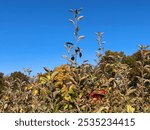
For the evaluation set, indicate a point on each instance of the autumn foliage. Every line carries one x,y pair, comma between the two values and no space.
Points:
117,83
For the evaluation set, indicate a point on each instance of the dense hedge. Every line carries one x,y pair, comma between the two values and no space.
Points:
118,83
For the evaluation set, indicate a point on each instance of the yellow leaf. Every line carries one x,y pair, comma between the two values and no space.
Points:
80,95
66,106
48,77
35,92
71,89
21,110
72,86
42,80
6,97
5,106
130,109
64,89
28,87
67,98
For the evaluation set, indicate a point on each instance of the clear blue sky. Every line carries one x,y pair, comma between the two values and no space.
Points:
33,32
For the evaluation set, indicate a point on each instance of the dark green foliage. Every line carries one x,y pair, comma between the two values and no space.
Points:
19,75
19,79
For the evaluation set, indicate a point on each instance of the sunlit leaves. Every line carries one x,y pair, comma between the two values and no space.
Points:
80,37
43,79
130,109
35,92
117,83
80,17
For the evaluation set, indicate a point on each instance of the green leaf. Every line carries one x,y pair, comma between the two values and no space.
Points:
66,106
71,91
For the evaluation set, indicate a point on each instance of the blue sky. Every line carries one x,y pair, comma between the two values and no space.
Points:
33,32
